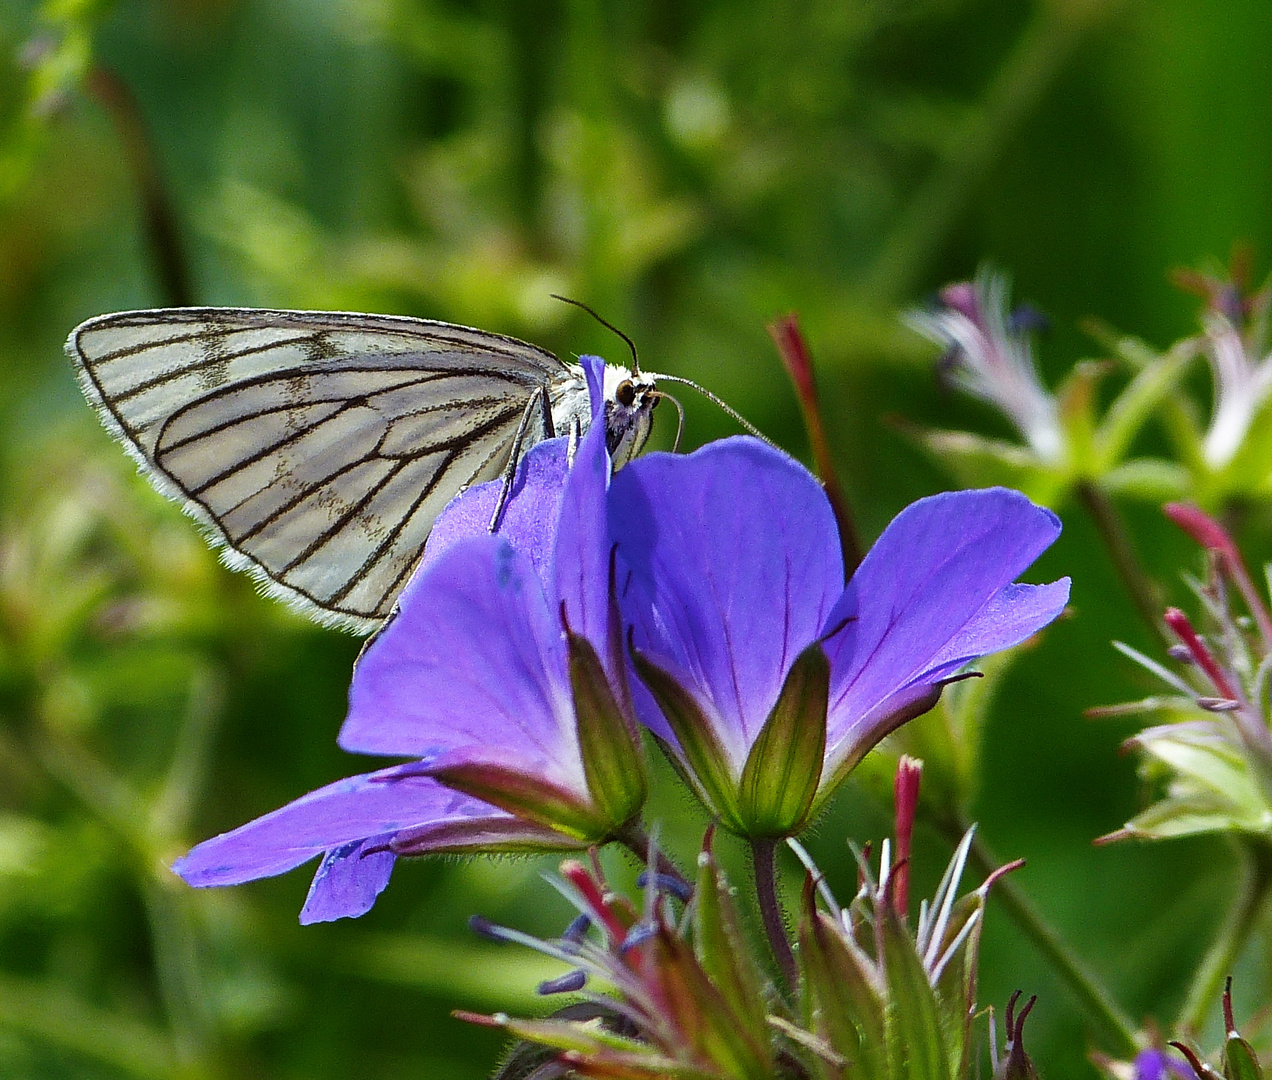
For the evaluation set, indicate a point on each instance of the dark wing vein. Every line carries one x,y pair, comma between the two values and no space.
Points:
148,372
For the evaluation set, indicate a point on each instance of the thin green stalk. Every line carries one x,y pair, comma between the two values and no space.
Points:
1083,984
162,233
764,863
1028,72
53,1016
1142,590
1217,964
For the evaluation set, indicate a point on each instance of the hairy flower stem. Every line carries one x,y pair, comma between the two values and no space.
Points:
1143,591
1083,984
636,840
1217,964
764,859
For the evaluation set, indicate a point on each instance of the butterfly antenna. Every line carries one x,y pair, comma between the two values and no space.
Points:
680,416
605,323
750,427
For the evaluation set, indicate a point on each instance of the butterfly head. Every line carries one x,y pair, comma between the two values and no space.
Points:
630,399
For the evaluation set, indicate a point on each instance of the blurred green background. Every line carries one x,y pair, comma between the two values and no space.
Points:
692,168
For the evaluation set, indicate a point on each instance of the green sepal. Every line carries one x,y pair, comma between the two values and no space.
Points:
596,1051
1239,1060
612,760
530,798
1137,401
847,1006
978,461
1152,480
784,766
955,990
700,1012
1075,402
720,945
916,1044
708,764
1212,785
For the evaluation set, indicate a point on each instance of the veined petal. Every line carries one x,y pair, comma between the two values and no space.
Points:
475,658
529,518
348,811
934,592
736,565
348,880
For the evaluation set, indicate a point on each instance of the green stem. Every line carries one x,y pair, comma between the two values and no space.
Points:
1025,76
1083,984
1217,964
764,861
1143,591
159,217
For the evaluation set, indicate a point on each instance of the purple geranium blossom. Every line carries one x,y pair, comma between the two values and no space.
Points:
733,573
477,678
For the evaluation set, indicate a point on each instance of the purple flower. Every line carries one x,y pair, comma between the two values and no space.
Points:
496,676
762,674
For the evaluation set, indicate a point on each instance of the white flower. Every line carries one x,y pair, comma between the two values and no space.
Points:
989,354
1242,383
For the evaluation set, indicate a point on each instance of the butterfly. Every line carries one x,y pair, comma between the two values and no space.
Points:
318,448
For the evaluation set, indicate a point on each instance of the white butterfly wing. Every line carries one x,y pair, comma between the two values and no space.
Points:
318,447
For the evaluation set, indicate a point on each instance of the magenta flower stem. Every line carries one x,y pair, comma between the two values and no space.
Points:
764,859
793,348
1141,588
1242,918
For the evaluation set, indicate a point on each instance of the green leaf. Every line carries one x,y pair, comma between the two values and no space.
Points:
702,1015
784,766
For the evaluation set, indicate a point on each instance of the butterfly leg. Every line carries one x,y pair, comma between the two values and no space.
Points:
514,457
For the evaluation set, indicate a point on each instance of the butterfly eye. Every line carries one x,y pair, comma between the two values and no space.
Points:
625,393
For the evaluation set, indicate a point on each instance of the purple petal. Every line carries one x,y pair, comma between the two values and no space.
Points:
529,518
594,371
934,592
348,880
735,566
582,555
475,659
348,811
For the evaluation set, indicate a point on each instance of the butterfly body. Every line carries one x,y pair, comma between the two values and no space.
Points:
319,447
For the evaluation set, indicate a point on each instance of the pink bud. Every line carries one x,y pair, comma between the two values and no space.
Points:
906,794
